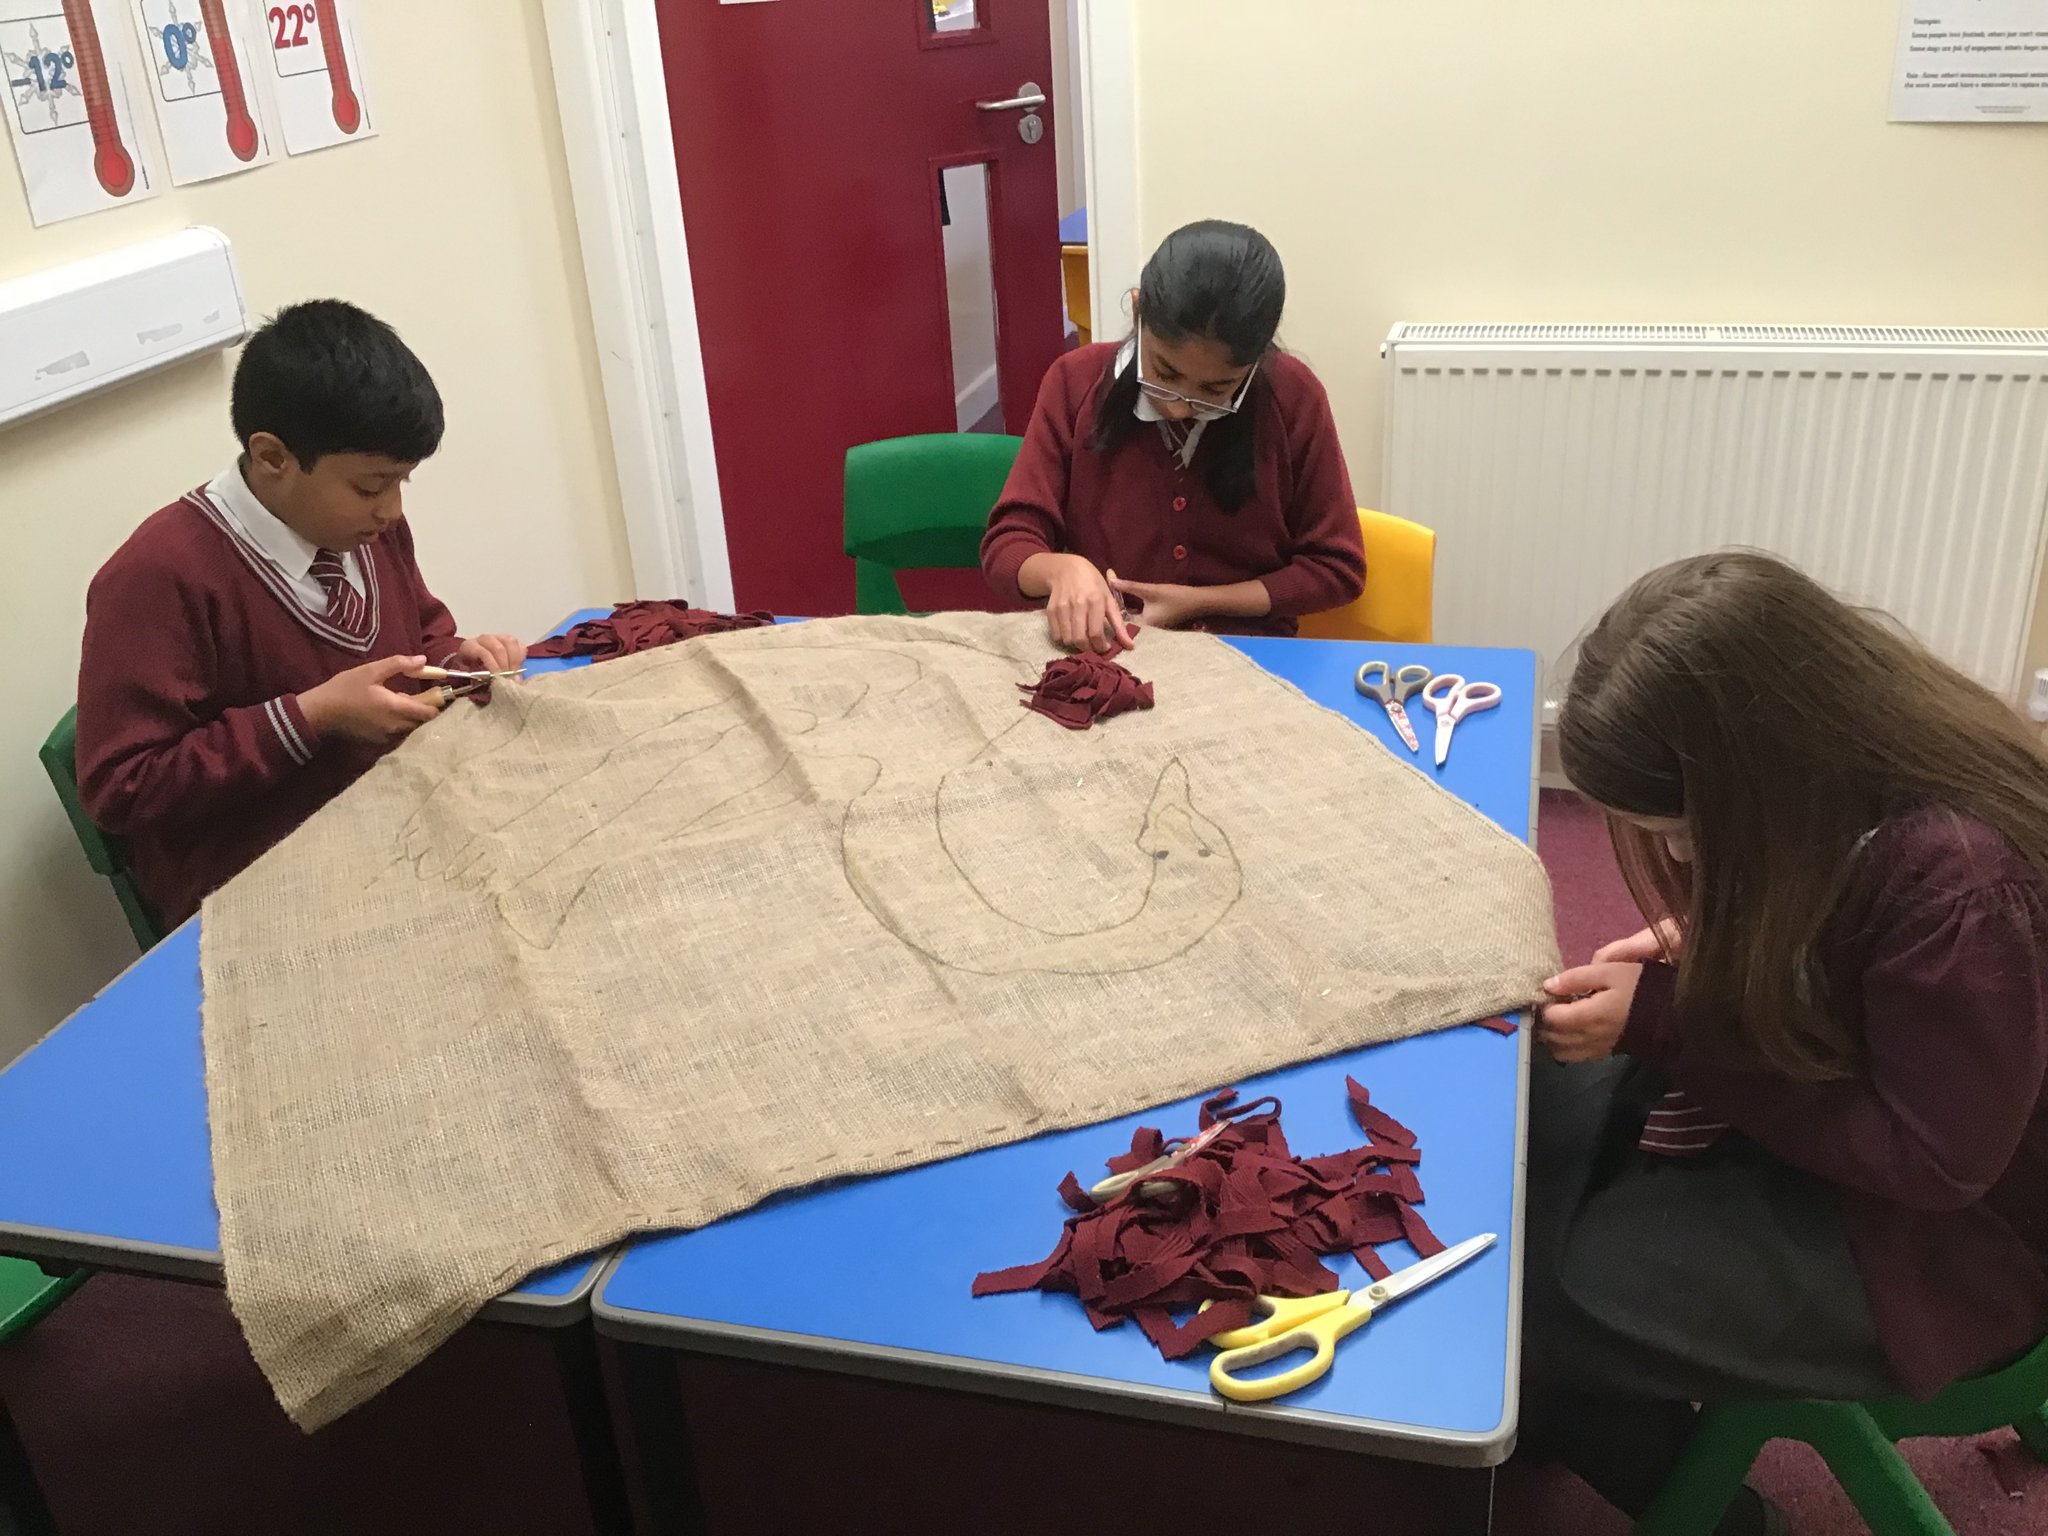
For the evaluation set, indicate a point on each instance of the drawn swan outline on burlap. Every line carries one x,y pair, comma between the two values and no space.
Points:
619,788
1192,880
1187,880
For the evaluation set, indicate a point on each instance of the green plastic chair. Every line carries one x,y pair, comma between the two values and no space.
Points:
26,1293
920,503
1859,1443
105,854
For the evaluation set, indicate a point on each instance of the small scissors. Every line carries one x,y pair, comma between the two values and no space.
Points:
1392,690
1316,1323
1177,1152
456,685
1453,699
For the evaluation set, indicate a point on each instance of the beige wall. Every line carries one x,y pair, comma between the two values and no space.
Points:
1586,160
456,226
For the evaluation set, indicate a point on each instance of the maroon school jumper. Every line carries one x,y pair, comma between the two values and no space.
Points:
1936,960
1137,512
191,742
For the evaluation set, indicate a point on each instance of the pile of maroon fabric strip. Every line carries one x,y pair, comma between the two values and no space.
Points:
1077,691
641,627
1242,1218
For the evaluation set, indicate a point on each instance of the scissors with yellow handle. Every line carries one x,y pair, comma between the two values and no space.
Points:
1316,1323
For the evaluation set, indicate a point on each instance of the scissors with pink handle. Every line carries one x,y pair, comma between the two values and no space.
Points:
1453,699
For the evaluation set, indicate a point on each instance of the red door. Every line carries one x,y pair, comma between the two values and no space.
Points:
809,139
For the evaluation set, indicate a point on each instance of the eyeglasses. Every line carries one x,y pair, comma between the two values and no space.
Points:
1200,410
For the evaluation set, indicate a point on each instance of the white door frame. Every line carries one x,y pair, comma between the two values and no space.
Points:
613,99
1109,116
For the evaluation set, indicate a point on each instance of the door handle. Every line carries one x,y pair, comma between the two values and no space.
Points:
1029,98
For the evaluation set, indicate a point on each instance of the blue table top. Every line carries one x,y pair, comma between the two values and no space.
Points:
873,1276
1074,228
104,1154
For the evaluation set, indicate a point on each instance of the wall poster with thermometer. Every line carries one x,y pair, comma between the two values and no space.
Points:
316,68
70,112
196,62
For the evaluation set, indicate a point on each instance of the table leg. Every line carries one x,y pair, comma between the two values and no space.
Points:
21,1497
661,1442
590,1421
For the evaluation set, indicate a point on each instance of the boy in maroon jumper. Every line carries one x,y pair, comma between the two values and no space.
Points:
247,649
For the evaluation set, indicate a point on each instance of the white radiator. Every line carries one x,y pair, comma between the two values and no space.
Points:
1905,468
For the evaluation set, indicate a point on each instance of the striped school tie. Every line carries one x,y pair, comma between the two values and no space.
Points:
1677,1127
344,603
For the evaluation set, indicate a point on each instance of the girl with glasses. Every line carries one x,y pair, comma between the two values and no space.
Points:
1189,477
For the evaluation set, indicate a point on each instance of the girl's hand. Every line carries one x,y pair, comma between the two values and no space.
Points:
1587,1021
1081,610
1166,606
1653,943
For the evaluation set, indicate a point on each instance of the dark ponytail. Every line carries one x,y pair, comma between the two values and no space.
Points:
1224,282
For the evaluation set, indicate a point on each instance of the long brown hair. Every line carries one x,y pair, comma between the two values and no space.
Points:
1735,694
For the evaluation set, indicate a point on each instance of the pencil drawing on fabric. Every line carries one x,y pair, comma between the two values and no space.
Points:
701,767
638,946
1187,880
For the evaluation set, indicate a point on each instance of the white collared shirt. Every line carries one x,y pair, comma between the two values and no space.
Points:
1145,410
283,546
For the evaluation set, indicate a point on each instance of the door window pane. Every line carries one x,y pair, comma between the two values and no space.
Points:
970,297
957,15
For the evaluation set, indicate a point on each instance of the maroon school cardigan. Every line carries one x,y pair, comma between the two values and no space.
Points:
191,742
1936,959
1136,511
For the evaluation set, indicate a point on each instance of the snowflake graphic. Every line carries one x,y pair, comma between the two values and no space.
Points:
179,49
30,78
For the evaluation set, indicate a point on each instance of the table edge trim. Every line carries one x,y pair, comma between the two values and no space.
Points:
1063,1389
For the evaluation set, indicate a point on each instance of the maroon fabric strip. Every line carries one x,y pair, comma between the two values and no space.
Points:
1376,1124
1075,1196
1425,1242
1175,1342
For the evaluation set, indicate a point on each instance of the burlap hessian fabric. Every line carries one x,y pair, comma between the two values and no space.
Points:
636,946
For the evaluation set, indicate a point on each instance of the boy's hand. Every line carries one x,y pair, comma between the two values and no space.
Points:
491,653
358,705
1167,605
1587,1021
1653,943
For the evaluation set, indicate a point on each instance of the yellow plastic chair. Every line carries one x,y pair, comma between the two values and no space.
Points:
1400,577
1074,275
